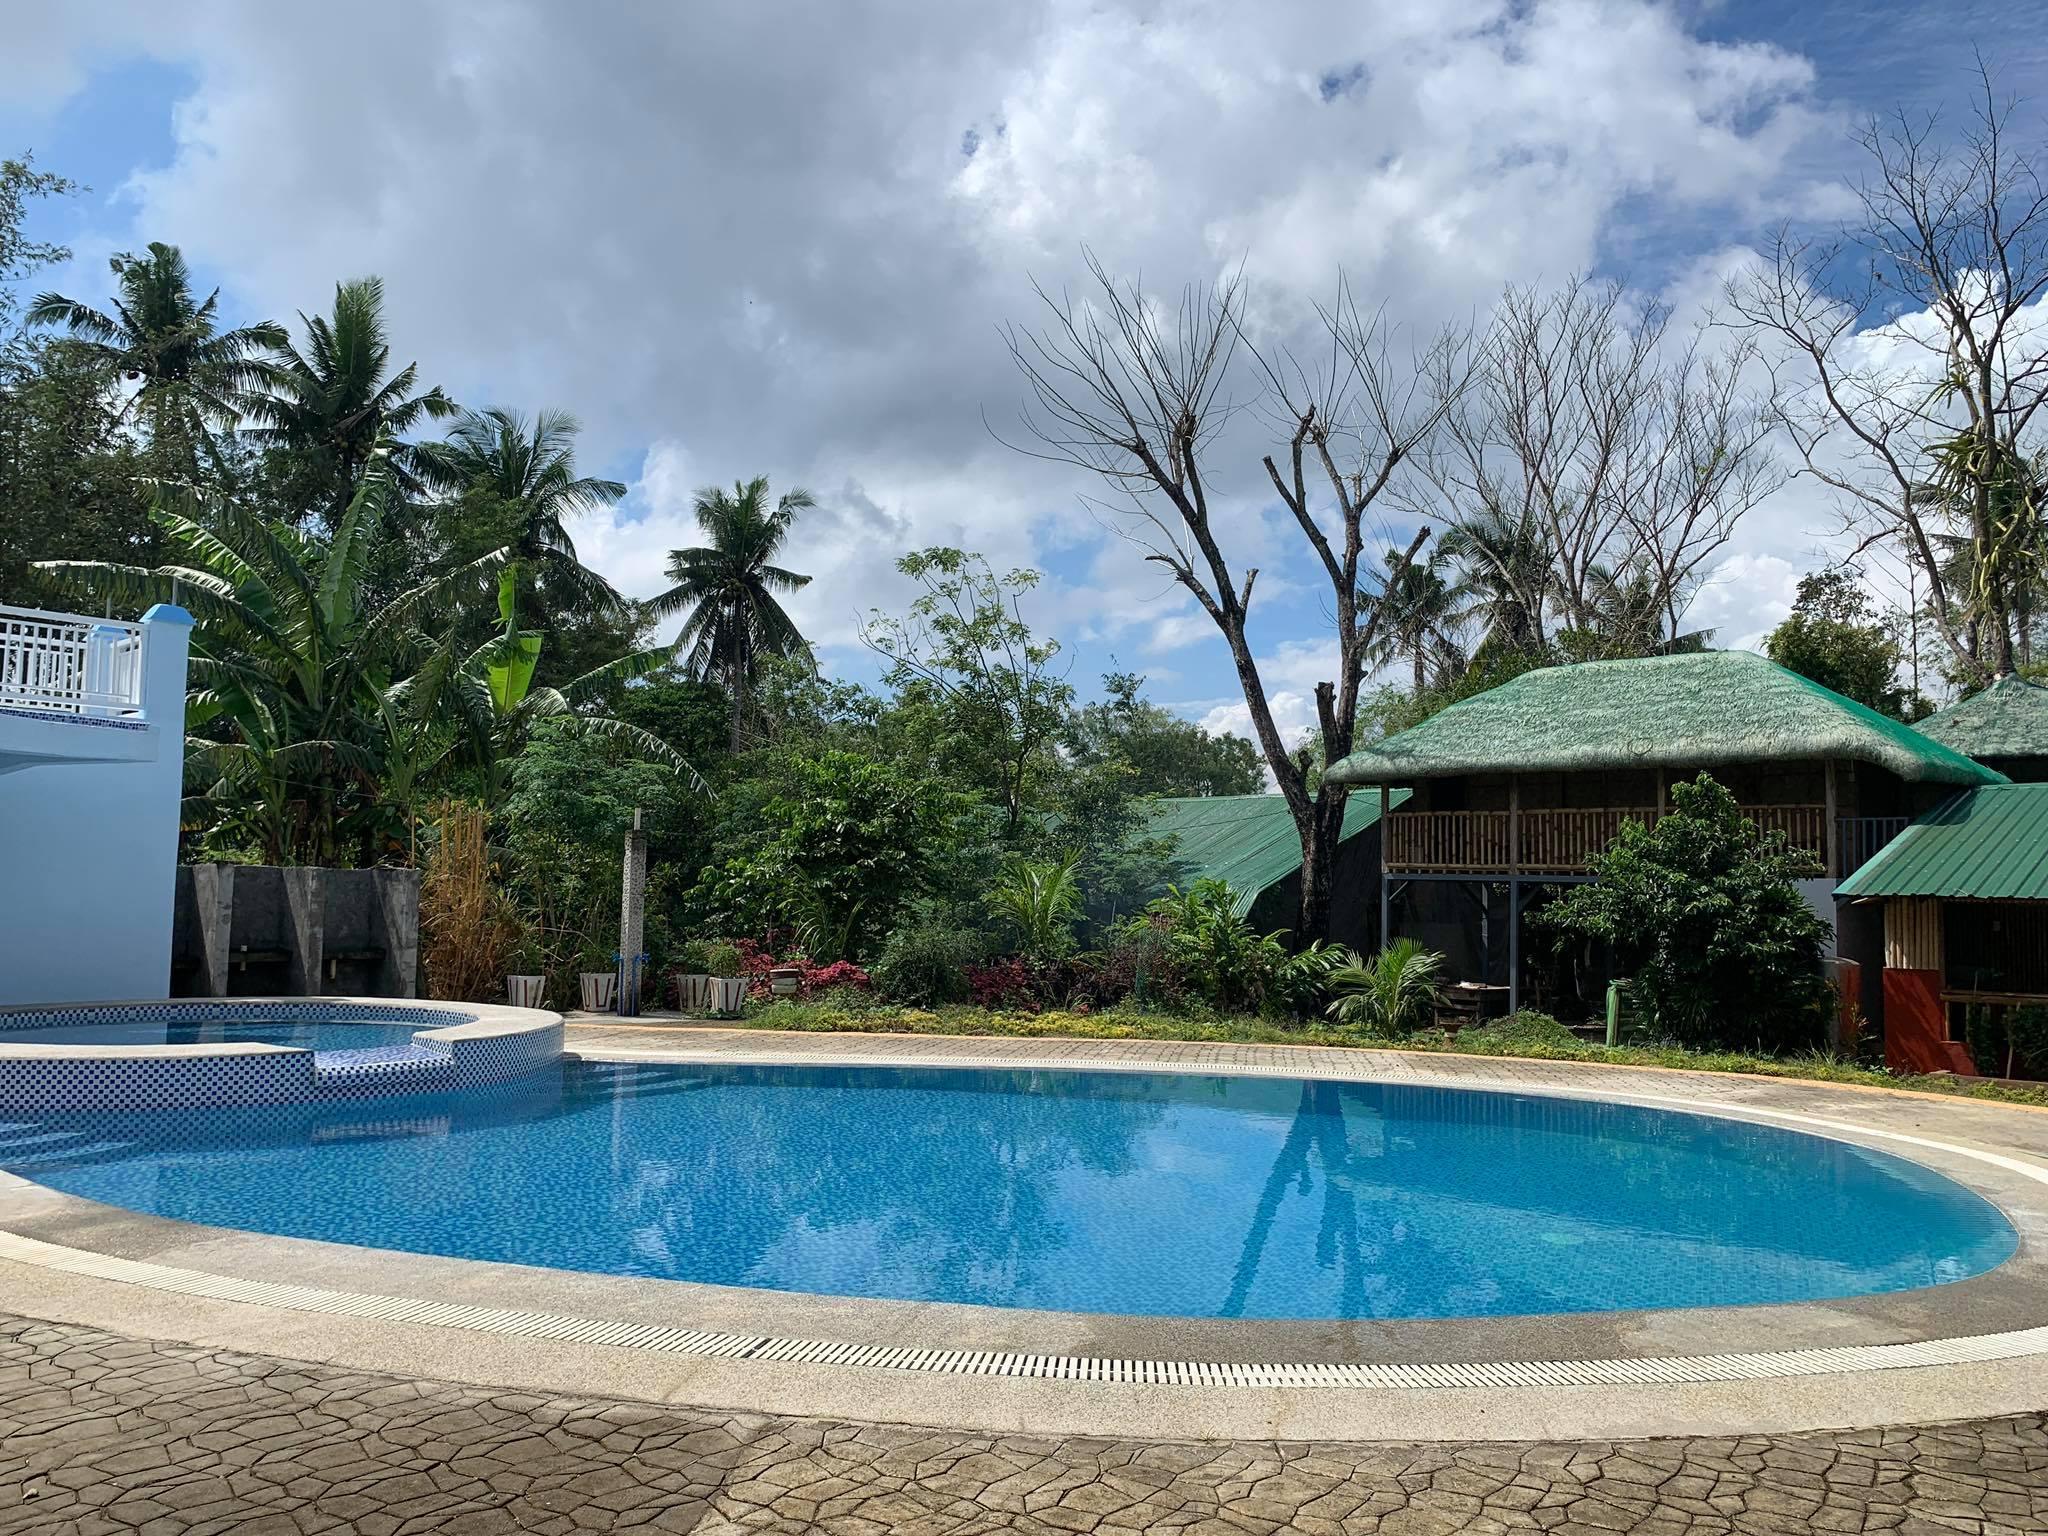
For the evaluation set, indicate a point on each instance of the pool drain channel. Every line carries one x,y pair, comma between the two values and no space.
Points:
708,1344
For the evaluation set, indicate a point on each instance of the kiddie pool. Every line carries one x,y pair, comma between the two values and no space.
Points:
207,1054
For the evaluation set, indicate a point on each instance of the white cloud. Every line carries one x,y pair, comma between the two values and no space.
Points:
742,238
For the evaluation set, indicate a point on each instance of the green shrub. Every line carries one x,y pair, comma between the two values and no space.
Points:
1704,917
925,960
1392,994
693,957
722,959
1527,1033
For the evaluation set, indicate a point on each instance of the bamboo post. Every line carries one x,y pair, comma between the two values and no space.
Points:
1831,833
1386,807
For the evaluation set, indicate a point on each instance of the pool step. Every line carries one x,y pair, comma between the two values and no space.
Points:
381,1070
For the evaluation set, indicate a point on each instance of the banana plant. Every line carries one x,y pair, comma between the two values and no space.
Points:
289,722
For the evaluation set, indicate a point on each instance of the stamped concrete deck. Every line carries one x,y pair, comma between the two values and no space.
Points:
100,1434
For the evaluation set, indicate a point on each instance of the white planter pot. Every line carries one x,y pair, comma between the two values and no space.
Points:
600,990
693,992
525,991
728,995
785,979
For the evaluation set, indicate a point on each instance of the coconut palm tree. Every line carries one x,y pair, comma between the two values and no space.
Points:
528,470
730,588
1421,617
337,399
1505,576
191,374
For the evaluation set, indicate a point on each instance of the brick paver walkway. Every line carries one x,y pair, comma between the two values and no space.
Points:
104,1434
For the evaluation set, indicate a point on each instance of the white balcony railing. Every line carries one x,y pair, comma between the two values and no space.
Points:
69,663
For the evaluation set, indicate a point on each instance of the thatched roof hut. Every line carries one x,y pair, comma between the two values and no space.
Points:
2004,726
1680,712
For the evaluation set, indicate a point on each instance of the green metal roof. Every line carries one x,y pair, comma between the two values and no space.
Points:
1687,712
2007,719
1247,841
1990,843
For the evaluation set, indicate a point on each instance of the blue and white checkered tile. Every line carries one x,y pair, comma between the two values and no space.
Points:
200,1079
498,1058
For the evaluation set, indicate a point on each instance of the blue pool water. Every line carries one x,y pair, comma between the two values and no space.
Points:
309,1034
1096,1192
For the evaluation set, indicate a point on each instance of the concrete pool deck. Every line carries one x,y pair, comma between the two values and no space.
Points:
1706,1371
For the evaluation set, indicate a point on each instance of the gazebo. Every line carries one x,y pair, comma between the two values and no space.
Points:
2003,726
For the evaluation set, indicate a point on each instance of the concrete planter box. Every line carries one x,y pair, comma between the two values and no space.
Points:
600,990
693,992
525,991
728,995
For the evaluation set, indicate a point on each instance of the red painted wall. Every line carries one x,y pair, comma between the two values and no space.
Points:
1916,1026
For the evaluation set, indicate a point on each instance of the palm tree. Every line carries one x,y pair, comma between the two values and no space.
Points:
291,709
192,375
337,399
1505,576
730,588
529,470
1421,618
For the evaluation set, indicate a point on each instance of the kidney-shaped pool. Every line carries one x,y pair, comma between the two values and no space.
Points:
1078,1191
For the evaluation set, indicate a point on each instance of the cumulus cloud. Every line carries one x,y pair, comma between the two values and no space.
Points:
744,237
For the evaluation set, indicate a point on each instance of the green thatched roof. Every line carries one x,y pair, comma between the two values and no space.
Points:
2007,719
1248,841
1683,712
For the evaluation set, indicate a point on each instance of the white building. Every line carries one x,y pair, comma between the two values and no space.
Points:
92,756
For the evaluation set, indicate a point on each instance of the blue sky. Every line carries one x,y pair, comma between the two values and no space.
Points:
750,238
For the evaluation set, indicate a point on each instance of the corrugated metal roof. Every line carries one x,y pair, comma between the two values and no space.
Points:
1248,841
2007,719
1686,712
1990,843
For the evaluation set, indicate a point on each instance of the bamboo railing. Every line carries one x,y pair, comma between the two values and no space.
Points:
1552,842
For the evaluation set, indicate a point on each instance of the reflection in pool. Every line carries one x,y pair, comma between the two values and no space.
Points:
1095,1192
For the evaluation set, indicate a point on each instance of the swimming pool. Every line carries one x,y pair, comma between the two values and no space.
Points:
305,1034
1164,1195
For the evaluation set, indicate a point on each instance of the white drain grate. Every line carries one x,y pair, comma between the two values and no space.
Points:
705,1344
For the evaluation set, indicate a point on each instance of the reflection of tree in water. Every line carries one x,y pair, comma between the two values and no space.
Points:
1545,1204
948,1178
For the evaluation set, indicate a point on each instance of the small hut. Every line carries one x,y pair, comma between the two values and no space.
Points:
2004,726
1964,893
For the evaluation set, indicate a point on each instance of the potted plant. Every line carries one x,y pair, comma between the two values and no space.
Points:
693,977
728,986
527,982
787,979
600,988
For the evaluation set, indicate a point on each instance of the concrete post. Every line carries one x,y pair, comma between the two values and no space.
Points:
151,861
213,899
633,920
305,899
398,903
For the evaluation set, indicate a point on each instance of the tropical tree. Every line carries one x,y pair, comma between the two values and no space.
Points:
519,480
190,374
730,588
1421,620
334,402
293,713
495,699
1505,576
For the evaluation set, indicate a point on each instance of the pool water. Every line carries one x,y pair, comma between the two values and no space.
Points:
1094,1192
308,1034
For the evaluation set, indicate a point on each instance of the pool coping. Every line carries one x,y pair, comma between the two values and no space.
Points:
1865,1360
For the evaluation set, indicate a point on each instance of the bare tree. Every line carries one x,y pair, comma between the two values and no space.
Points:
1627,454
1138,395
1925,428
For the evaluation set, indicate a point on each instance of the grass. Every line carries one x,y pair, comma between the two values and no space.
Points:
1525,1035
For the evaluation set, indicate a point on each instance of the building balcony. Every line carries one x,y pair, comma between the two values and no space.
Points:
76,689
1552,842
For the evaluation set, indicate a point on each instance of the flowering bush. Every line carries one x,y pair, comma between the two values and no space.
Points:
757,960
